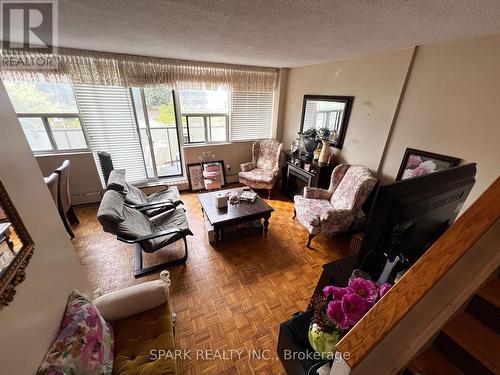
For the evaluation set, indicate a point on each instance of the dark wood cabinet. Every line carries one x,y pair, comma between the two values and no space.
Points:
298,171
293,334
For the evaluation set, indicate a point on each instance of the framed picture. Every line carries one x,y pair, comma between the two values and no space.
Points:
220,163
419,163
195,176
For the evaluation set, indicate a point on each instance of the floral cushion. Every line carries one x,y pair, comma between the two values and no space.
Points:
309,211
84,344
266,153
353,189
257,174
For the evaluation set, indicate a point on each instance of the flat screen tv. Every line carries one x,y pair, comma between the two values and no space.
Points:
408,216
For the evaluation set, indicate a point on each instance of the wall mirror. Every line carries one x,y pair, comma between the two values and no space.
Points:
332,112
16,248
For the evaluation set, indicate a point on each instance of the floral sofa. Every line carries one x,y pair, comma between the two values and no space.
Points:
334,210
121,333
262,171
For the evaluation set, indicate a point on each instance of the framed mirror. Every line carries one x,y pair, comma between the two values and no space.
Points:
324,111
16,248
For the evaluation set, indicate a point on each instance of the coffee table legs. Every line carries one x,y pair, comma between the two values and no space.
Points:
266,223
216,235
219,233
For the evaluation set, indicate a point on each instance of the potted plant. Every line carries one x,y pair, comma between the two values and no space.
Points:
339,309
310,141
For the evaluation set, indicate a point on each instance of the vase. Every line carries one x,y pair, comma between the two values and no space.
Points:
310,145
317,152
325,152
323,342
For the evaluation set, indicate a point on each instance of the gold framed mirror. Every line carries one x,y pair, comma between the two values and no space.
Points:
16,248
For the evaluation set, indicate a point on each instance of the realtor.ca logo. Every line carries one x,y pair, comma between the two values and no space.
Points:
28,26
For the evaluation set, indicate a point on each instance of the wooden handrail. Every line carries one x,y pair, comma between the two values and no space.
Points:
421,277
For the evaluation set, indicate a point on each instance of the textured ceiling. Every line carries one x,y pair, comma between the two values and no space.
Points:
266,32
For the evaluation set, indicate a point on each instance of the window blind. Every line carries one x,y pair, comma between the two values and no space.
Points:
251,115
109,121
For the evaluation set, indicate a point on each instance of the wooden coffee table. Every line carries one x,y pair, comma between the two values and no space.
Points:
234,213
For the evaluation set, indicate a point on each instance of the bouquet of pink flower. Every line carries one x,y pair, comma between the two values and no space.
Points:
339,309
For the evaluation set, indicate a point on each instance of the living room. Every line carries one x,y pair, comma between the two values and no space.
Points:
417,81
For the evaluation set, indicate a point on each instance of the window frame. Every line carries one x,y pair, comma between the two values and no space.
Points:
48,129
207,128
148,127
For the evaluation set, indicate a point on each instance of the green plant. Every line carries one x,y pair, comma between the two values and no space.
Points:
324,134
310,133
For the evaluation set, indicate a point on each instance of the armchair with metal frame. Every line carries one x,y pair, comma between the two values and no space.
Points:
151,205
149,234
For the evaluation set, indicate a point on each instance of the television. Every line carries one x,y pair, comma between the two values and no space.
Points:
408,216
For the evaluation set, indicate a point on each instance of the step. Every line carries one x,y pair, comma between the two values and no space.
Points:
486,312
431,362
469,344
491,292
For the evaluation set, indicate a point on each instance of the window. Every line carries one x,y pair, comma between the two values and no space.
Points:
204,115
157,125
251,115
109,121
48,115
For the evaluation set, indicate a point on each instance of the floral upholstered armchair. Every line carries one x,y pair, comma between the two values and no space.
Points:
262,171
334,210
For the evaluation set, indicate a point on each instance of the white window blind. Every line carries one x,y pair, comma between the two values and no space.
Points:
251,115
109,121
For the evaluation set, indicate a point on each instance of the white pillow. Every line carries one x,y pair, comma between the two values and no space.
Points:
132,300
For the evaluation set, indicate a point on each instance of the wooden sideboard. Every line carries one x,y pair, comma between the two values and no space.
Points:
298,171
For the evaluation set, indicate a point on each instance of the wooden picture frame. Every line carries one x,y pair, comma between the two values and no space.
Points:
15,272
343,121
195,176
223,169
417,163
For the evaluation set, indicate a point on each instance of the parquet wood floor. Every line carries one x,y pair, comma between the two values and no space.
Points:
232,297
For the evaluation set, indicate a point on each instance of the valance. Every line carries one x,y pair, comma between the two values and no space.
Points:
111,69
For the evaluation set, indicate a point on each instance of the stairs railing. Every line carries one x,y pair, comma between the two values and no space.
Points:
422,277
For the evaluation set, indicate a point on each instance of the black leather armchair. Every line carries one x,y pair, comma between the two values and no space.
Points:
149,234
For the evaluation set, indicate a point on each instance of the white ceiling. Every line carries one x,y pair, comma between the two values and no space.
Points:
270,33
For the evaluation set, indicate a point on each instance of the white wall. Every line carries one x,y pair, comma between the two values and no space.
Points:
451,106
84,181
29,325
233,154
375,82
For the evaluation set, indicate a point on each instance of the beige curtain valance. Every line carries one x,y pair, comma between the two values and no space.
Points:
111,69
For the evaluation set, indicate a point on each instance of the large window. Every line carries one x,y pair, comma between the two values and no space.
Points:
157,126
204,115
48,115
142,128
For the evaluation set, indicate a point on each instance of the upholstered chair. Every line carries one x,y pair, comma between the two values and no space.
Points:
262,171
131,329
334,210
64,206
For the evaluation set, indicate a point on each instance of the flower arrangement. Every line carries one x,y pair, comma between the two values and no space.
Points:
416,167
324,134
310,133
339,309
